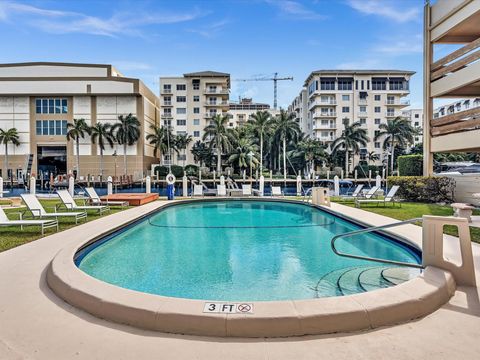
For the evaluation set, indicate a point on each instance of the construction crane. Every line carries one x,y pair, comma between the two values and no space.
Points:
275,78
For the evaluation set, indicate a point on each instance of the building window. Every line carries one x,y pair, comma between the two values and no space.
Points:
368,84
377,145
51,106
345,84
167,122
196,84
416,116
196,110
196,121
181,87
196,98
181,111
377,121
390,112
167,88
196,134
363,109
181,157
378,84
377,109
363,121
390,100
167,100
345,109
416,123
181,99
326,84
51,127
398,84
377,132
181,122
346,97
362,84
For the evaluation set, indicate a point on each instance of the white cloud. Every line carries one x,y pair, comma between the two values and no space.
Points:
295,10
413,45
386,9
211,29
61,22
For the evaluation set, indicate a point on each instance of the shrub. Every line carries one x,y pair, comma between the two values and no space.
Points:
410,165
191,170
162,171
362,170
430,189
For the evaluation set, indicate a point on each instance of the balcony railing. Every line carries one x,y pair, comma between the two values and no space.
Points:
166,91
328,102
362,101
397,102
216,91
167,103
390,114
325,114
166,115
362,113
326,138
216,103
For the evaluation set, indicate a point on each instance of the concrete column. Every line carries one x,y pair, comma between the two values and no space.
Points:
148,185
109,186
214,176
369,175
356,175
32,185
341,174
261,186
378,181
336,186
222,180
328,174
1,187
299,185
244,175
185,185
71,185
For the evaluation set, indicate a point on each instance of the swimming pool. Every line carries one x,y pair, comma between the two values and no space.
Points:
239,250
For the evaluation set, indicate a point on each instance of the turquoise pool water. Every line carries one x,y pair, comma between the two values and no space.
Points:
238,251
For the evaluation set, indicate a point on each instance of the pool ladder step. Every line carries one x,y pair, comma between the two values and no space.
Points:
358,279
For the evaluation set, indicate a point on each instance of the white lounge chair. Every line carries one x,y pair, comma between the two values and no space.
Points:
197,190
277,191
95,199
389,198
221,190
370,193
246,190
44,224
70,204
37,210
356,193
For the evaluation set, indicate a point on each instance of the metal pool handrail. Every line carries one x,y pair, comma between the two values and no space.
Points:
370,229
305,198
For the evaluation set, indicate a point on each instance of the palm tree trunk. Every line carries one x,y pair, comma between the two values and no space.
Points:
261,153
393,153
125,158
78,157
101,164
284,159
6,162
346,162
219,158
184,156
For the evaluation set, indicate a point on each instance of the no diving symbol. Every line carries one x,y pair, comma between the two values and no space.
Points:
244,308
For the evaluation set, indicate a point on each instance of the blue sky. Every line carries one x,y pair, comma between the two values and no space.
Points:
246,38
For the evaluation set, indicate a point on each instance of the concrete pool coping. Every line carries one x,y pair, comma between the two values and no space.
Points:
410,300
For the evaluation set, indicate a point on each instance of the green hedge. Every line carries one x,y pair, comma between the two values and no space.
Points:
410,165
162,171
429,189
191,170
365,168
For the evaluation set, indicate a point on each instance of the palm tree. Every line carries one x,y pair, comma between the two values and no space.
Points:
352,137
127,133
102,133
77,130
161,139
202,153
6,137
313,151
286,128
181,143
218,136
260,121
372,156
244,154
396,132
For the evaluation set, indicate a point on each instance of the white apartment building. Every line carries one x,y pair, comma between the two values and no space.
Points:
189,102
370,97
300,109
242,110
415,116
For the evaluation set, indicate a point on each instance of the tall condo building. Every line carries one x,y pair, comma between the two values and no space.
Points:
189,102
370,97
300,109
40,98
241,111
415,116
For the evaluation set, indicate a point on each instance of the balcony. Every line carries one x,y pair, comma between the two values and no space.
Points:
325,114
396,102
390,114
217,103
362,113
362,101
219,91
167,103
166,115
326,138
328,102
325,126
166,91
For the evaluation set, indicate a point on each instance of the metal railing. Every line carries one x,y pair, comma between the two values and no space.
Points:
372,229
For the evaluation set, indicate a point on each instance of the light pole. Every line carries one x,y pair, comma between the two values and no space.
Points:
250,155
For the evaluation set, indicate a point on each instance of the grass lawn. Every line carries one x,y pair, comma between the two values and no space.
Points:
411,210
12,236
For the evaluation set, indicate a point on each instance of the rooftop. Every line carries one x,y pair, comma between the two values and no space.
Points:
207,73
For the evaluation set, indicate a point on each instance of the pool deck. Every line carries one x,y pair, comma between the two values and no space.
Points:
36,324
